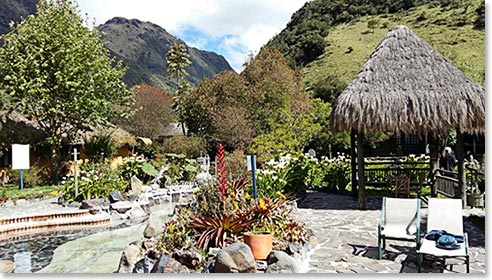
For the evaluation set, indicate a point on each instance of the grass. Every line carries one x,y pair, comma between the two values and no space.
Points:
349,45
13,192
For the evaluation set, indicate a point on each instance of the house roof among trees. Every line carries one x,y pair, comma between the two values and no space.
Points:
118,135
406,86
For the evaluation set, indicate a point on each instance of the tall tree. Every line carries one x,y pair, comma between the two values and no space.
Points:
153,112
57,72
177,61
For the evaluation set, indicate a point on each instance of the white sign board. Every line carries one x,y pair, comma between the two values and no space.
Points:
249,163
20,156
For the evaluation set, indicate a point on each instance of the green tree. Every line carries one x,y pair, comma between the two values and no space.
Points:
57,72
177,61
273,86
218,109
152,112
292,135
340,142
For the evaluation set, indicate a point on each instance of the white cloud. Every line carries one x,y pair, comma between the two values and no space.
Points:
240,26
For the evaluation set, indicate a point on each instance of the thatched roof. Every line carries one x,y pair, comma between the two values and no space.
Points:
118,135
408,87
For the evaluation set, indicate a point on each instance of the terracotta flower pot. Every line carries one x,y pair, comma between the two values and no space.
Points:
260,244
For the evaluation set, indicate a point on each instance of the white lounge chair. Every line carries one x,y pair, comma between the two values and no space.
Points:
447,215
400,220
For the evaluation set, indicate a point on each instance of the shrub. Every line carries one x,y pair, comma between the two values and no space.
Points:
3,195
177,167
337,172
100,147
35,176
96,180
190,146
136,165
220,230
273,178
236,163
176,234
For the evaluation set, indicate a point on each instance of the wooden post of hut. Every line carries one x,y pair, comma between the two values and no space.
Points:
360,170
434,160
460,155
353,163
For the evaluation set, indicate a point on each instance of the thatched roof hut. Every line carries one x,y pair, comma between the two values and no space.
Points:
31,128
406,86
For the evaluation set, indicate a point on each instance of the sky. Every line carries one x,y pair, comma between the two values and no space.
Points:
232,28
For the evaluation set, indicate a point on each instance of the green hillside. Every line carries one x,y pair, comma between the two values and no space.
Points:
452,27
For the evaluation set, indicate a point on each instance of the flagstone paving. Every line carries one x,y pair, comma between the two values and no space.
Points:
347,239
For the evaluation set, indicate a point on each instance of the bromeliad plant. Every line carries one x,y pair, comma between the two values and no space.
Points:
220,217
220,230
224,211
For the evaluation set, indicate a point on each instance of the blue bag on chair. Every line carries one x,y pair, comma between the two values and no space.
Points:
435,234
447,242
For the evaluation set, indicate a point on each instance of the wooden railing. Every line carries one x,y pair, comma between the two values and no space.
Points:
445,183
376,175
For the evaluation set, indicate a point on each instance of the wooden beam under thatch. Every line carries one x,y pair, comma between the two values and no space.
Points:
408,87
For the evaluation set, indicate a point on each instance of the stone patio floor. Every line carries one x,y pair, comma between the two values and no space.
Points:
347,239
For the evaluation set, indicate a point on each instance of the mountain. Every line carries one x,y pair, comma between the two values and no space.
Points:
14,10
143,47
329,41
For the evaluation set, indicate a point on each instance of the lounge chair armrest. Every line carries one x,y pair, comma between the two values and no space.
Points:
381,221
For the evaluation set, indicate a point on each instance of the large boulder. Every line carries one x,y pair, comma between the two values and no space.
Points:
168,265
132,197
236,258
281,262
122,206
128,259
136,212
136,185
295,248
190,259
94,205
151,229
115,196
144,265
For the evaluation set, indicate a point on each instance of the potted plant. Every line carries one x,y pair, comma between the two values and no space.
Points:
260,239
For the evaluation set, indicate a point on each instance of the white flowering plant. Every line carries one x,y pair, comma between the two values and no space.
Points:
289,174
95,180
336,172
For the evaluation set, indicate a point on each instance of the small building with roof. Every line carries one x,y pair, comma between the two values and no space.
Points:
407,87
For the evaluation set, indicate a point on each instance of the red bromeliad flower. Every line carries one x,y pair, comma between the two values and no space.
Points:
222,172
